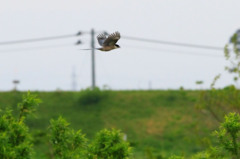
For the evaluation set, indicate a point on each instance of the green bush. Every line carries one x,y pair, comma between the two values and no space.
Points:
66,143
109,145
176,157
205,155
229,140
91,96
229,134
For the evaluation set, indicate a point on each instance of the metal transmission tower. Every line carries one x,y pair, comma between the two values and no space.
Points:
93,58
74,82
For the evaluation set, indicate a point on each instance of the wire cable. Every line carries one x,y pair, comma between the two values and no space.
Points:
39,39
125,37
173,43
173,51
36,48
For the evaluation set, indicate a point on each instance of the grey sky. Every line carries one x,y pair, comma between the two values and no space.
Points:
133,66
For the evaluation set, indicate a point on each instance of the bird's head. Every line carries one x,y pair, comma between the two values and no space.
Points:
117,45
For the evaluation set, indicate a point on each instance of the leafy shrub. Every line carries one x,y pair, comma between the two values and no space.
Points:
91,96
229,141
67,144
212,153
109,145
176,157
28,105
229,134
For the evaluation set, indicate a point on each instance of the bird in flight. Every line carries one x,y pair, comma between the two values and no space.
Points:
108,43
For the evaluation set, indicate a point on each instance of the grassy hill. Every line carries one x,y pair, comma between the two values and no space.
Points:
155,122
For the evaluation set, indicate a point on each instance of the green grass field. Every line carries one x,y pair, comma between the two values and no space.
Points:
155,122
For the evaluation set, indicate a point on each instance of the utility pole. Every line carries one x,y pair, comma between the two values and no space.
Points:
93,57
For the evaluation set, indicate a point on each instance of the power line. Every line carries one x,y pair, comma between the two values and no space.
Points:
174,51
125,37
40,39
36,48
173,43
126,46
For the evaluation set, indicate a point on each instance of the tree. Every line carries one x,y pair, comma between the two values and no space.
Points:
15,140
219,102
66,143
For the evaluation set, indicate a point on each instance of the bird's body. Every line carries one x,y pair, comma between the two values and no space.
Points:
108,43
107,48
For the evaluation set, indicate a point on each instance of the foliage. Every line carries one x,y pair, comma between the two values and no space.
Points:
28,105
149,118
216,78
212,153
220,102
15,141
109,145
229,134
229,141
199,82
176,157
66,143
233,57
91,96
202,155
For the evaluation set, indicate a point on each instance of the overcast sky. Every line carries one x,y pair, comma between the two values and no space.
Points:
49,65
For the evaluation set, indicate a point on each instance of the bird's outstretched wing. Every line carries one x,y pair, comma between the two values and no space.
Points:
112,39
101,38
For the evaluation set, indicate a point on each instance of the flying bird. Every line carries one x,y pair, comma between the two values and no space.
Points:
108,43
